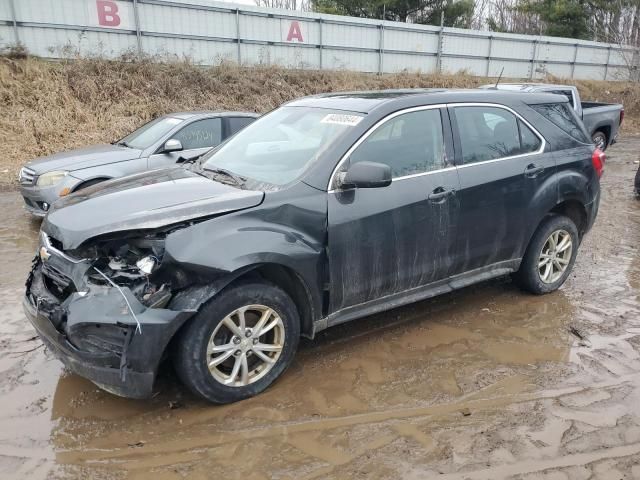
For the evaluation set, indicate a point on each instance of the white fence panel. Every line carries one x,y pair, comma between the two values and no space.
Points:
412,41
186,21
209,32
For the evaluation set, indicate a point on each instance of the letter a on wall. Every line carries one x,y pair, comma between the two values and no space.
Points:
110,14
293,31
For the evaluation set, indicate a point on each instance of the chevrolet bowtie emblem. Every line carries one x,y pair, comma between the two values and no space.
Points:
44,254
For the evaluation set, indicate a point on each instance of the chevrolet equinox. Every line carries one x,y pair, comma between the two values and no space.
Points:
327,209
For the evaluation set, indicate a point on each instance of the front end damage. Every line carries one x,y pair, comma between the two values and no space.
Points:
108,309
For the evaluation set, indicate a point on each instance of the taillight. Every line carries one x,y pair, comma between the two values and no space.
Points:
598,158
621,116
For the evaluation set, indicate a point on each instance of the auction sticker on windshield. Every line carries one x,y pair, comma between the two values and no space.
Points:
341,119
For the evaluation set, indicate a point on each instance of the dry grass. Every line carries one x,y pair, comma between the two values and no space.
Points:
53,106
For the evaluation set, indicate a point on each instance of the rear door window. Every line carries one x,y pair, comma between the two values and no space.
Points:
490,133
563,117
238,123
410,144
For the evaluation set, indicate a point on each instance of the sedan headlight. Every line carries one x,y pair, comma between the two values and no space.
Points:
51,178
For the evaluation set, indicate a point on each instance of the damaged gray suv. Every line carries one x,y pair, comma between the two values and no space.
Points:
328,209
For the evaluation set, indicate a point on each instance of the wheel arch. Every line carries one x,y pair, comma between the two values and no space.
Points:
285,277
575,210
90,181
570,207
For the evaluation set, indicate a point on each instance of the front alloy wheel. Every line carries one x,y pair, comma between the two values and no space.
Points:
239,342
245,345
555,256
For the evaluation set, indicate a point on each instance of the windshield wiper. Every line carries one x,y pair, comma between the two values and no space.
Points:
122,143
238,179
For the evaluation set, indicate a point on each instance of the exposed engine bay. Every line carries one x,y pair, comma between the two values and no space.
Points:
123,262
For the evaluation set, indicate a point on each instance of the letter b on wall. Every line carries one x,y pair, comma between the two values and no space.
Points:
111,14
108,13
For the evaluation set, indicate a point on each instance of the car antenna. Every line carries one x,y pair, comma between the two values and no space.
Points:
499,77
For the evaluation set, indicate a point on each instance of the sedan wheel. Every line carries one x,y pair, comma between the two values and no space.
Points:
555,256
245,345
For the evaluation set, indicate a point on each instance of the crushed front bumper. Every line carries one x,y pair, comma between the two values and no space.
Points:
96,336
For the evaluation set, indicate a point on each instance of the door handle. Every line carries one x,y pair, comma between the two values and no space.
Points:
440,194
532,170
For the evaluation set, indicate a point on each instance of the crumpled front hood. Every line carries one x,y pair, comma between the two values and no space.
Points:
83,158
148,200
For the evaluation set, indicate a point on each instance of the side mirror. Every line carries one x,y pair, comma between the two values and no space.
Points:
367,175
172,145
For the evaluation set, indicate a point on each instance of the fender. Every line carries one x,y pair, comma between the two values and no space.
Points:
216,252
603,125
570,185
97,177
112,170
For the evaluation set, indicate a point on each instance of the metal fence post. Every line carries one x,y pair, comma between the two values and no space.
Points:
238,35
606,65
12,7
136,18
320,45
489,55
533,58
575,58
440,39
381,49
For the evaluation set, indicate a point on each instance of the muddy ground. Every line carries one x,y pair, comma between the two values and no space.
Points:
487,382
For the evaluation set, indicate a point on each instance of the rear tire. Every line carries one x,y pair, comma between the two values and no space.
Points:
550,256
223,356
599,138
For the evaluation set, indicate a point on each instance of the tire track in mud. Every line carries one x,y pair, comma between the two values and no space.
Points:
301,430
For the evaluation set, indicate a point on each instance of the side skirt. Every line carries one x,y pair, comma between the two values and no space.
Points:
416,294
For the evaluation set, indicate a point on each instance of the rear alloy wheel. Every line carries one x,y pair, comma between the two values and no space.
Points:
555,256
599,139
550,255
239,342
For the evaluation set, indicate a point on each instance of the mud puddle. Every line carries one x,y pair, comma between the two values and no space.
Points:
487,382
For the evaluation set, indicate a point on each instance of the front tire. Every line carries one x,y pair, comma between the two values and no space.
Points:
239,343
550,256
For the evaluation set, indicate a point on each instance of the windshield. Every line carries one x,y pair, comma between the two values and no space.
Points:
280,146
150,133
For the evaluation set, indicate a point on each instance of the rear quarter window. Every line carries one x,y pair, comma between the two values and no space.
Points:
563,117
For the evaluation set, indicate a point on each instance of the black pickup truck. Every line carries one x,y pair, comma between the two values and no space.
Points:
328,209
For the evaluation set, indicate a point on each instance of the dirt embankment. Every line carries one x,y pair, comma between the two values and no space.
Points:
53,106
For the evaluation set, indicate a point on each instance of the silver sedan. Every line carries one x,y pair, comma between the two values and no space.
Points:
157,144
